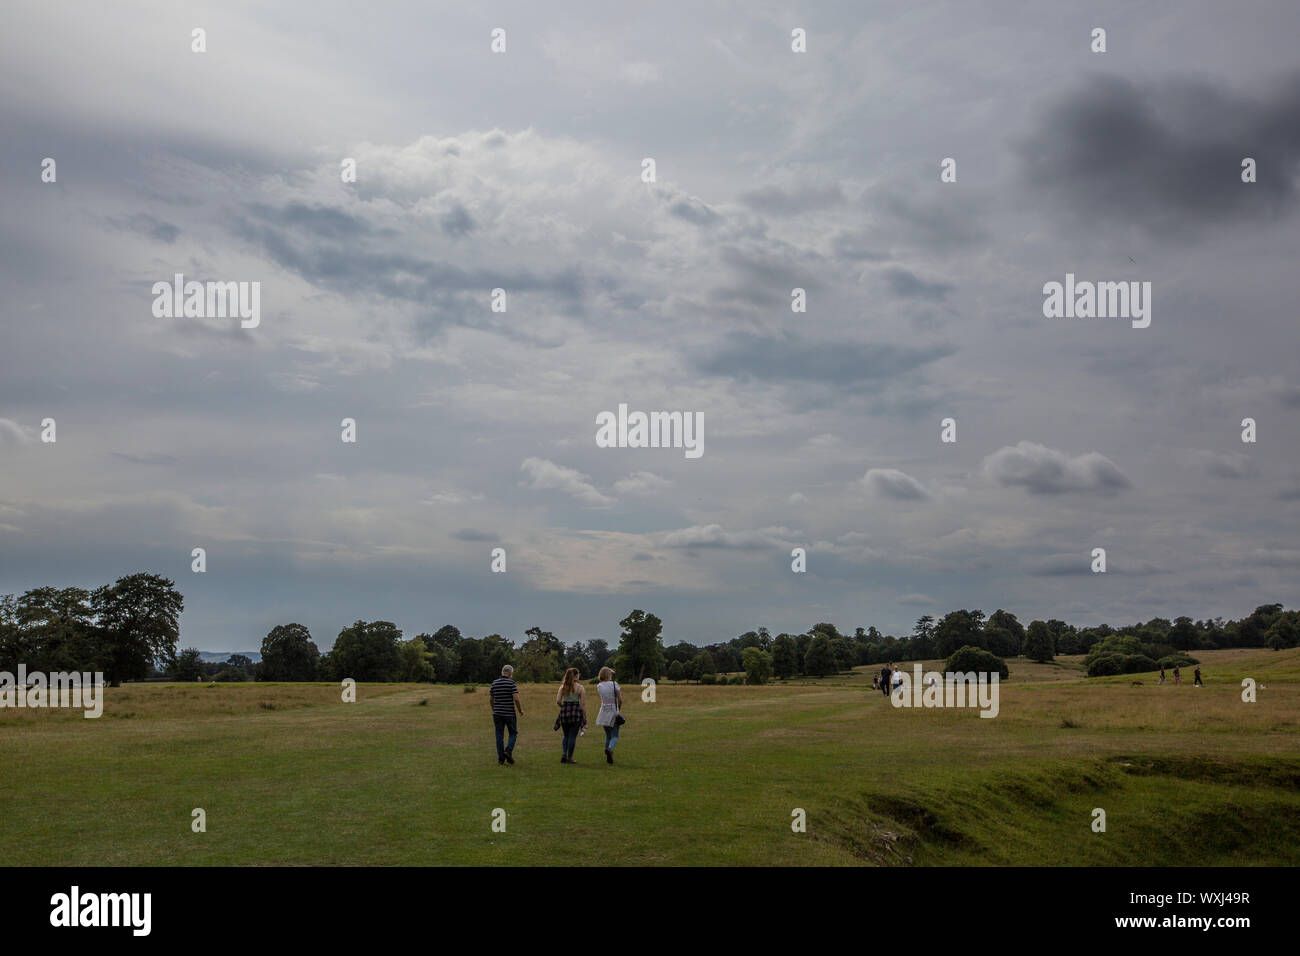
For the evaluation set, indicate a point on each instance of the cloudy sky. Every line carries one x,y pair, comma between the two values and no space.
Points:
775,170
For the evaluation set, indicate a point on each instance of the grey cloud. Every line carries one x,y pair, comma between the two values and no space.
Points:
891,483
144,224
788,358
471,534
778,201
1166,156
457,222
1046,471
907,285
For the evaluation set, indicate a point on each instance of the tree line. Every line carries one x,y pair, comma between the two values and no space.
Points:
129,630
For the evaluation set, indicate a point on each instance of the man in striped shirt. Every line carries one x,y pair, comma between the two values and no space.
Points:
504,697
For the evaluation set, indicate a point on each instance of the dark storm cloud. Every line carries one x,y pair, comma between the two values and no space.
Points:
788,358
907,285
1166,157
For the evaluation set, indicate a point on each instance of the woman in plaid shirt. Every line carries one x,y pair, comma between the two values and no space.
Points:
571,699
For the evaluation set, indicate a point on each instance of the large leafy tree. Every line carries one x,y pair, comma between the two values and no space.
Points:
416,661
288,654
1038,642
785,657
367,651
57,629
958,629
138,625
757,664
820,659
641,647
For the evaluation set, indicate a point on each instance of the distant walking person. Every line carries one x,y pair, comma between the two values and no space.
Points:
1178,676
898,678
611,705
875,682
504,697
1162,675
885,674
571,699
1196,678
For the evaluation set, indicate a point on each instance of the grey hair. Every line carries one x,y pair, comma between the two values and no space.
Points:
507,670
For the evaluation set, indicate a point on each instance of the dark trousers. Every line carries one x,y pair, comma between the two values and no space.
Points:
884,688
570,738
501,723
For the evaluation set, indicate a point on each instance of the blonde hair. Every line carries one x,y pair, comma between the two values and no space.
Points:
606,673
570,682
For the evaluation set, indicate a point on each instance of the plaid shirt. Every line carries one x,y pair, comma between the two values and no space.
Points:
571,713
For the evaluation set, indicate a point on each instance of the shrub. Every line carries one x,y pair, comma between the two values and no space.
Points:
231,674
1177,660
1137,664
971,658
708,678
1104,665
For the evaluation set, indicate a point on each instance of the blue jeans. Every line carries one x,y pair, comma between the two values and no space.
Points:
570,739
611,737
501,723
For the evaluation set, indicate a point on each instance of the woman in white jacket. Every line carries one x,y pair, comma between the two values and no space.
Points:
611,702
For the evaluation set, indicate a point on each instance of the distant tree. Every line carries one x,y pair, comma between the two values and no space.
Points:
367,651
641,647
1284,632
138,625
415,661
724,658
289,654
676,671
1038,642
703,664
241,661
820,659
231,675
446,636
785,657
1012,634
598,654
497,653
541,659
188,666
958,629
757,664
1182,634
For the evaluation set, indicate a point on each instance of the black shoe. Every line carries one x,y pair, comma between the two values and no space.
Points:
564,760
609,755
501,761
509,758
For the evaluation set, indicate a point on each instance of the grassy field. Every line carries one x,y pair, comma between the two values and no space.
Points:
288,774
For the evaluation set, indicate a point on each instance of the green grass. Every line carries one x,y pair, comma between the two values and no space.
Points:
288,774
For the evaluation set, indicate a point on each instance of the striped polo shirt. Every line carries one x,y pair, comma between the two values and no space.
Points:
503,696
